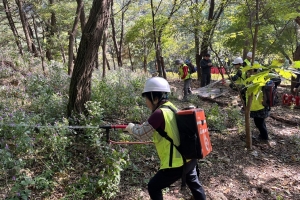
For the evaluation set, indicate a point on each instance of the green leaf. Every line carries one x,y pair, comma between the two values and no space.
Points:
254,88
257,76
285,73
296,65
246,68
276,63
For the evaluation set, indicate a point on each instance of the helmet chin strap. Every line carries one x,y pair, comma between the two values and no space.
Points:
164,96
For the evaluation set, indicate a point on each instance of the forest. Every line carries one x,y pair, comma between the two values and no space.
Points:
71,70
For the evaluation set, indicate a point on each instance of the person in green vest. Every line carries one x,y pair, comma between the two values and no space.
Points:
240,76
239,79
156,94
259,113
185,75
247,61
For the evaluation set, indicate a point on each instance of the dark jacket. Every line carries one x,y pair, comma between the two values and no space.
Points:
298,81
205,69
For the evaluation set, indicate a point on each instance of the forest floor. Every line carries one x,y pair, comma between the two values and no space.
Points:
231,171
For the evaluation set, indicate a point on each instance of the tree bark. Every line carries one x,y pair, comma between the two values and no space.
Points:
247,122
130,58
80,86
39,44
72,35
118,46
104,58
30,45
213,17
296,57
51,29
12,26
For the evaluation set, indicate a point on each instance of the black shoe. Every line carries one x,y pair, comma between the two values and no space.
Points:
259,139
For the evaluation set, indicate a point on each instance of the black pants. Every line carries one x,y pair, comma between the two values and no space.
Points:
165,177
261,125
205,79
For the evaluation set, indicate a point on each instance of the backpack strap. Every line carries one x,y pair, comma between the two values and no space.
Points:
165,135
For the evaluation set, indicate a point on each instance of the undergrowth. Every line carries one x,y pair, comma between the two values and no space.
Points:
41,154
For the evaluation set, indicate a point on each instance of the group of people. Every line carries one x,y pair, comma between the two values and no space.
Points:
155,92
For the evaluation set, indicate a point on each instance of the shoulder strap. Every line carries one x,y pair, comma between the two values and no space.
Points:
165,135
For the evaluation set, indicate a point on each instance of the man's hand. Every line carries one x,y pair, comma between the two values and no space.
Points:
209,64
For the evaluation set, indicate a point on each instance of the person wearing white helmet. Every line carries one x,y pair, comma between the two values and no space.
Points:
240,76
247,61
156,94
185,75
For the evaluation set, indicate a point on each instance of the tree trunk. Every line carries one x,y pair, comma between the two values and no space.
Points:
130,58
145,63
107,63
114,37
12,26
24,21
51,29
80,86
72,35
296,57
247,122
104,58
163,67
39,44
213,18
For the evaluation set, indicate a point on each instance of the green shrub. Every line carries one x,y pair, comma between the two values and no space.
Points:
120,96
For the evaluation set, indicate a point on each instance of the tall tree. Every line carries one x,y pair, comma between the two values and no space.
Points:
158,30
296,56
72,34
80,86
27,31
119,45
12,26
213,17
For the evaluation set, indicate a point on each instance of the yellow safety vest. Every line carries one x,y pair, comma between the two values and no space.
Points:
181,72
256,102
162,145
247,62
240,80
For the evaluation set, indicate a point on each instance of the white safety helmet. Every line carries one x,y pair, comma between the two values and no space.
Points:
156,84
249,54
238,60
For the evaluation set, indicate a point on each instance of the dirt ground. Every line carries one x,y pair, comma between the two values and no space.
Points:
231,171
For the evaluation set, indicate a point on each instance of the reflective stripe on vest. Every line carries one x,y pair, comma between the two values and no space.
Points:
163,145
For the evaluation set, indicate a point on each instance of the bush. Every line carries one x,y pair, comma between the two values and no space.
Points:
120,96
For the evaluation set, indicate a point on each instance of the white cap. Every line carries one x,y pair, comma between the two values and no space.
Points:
238,60
156,84
249,54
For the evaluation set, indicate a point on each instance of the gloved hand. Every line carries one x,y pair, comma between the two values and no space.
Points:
129,128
